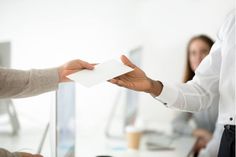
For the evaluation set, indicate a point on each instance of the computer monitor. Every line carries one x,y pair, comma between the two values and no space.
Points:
130,102
132,97
63,121
5,54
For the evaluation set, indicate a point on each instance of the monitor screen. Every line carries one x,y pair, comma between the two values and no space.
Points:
129,99
132,97
5,54
65,120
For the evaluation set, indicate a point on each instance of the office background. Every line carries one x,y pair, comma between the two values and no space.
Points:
47,33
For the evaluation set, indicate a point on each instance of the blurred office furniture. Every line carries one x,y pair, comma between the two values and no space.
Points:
128,99
62,126
95,145
6,105
43,139
62,122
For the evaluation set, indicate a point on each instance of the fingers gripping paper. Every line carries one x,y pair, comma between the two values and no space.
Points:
102,72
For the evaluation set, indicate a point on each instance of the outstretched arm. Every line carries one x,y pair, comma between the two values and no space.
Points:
6,153
19,83
137,80
193,96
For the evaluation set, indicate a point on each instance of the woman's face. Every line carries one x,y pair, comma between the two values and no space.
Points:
198,49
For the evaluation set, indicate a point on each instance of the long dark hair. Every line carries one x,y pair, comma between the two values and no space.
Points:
189,73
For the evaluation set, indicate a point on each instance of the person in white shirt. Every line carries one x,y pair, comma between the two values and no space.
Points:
197,49
214,82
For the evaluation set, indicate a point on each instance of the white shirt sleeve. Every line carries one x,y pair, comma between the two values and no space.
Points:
199,93
214,80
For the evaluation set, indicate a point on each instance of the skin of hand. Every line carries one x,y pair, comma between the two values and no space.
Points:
202,133
72,67
29,155
200,144
137,80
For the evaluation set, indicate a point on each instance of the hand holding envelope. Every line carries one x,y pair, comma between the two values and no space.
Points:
137,80
124,74
101,72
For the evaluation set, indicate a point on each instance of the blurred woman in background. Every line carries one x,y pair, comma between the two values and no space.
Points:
198,48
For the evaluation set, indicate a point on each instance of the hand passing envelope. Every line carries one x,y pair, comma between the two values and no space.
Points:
101,72
124,74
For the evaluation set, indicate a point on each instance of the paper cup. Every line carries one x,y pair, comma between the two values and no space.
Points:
133,136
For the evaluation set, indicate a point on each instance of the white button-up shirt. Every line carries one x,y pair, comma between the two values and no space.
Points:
214,80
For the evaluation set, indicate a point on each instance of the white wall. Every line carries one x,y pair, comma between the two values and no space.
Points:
47,33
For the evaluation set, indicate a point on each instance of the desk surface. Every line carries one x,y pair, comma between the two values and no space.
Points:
99,146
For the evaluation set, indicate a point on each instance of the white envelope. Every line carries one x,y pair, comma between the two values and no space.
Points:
102,72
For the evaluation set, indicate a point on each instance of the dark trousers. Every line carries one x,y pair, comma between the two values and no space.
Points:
227,144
